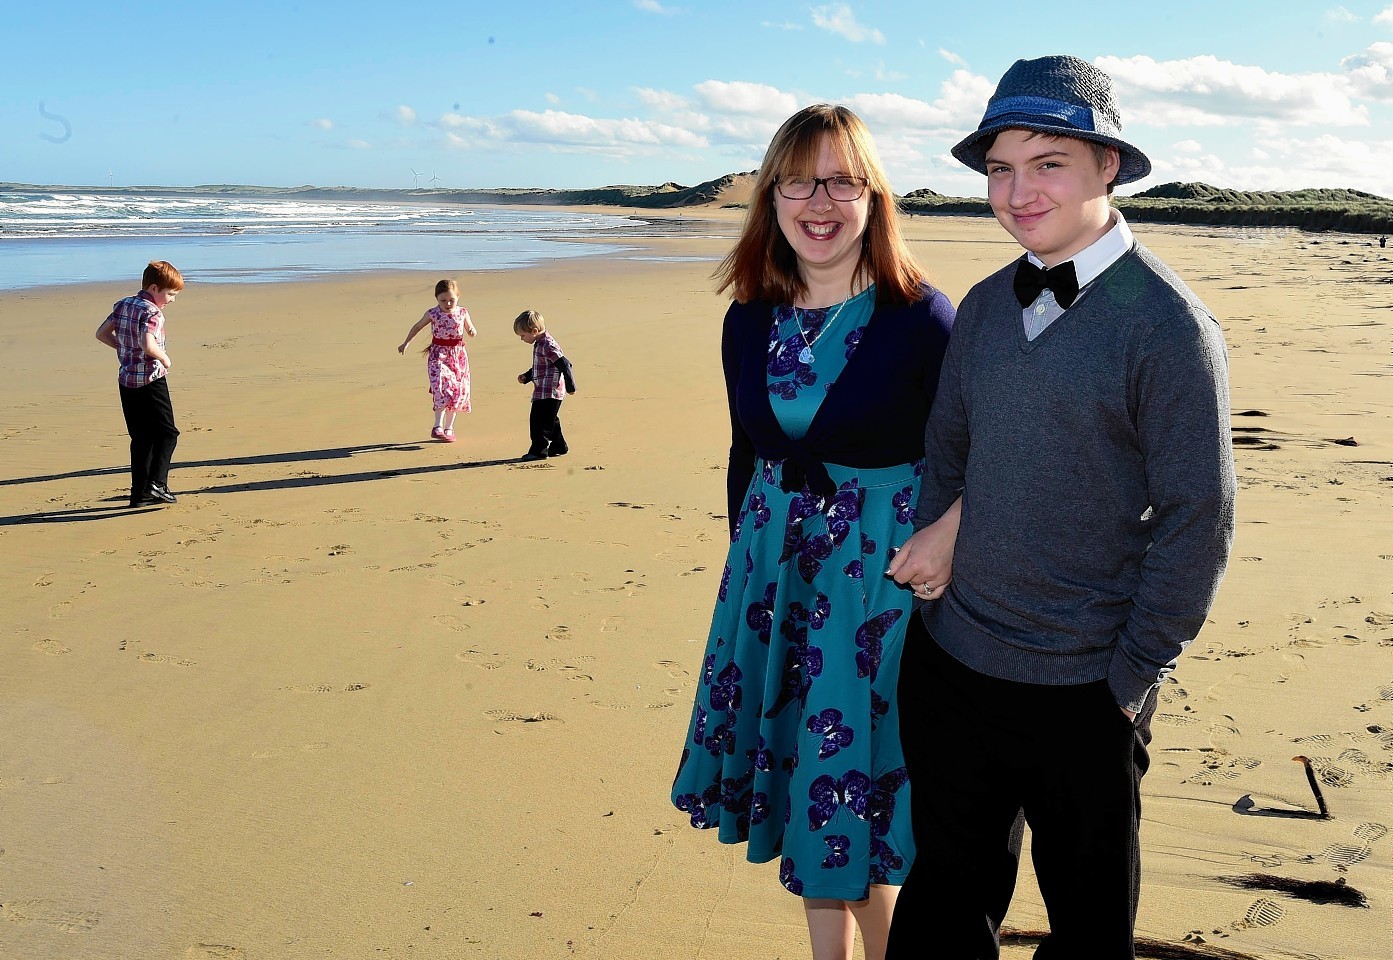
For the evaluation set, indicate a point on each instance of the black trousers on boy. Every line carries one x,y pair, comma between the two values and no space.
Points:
150,422
980,751
545,425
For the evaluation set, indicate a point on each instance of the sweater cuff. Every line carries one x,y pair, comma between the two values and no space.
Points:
1127,688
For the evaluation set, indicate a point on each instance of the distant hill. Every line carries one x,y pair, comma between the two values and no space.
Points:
1348,211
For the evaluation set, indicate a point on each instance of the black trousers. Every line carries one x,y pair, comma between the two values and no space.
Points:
545,425
150,422
982,751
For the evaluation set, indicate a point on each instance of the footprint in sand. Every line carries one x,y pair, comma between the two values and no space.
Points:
51,647
325,688
450,622
508,716
164,658
47,913
560,632
1370,832
486,661
611,624
214,951
672,668
1261,913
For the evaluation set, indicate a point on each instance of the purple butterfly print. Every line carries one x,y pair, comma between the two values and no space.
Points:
802,663
879,708
759,616
853,340
811,552
867,546
699,728
708,669
722,738
869,637
881,802
724,590
759,808
725,692
704,808
903,503
789,878
855,570
844,510
883,859
837,846
735,793
761,758
758,510
835,734
828,795
814,618
800,507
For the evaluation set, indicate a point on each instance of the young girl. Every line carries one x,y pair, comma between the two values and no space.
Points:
447,364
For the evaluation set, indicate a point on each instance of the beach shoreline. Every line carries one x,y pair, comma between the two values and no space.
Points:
362,693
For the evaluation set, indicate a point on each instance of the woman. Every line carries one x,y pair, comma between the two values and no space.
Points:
831,353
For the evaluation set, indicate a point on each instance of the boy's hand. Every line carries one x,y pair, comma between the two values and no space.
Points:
402,349
166,362
522,378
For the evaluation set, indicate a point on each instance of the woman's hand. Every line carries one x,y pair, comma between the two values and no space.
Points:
925,562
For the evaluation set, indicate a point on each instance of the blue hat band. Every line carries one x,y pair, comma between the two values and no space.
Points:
1031,109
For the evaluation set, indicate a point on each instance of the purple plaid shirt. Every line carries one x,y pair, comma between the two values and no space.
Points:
546,376
132,318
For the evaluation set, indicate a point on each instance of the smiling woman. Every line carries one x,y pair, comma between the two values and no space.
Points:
831,355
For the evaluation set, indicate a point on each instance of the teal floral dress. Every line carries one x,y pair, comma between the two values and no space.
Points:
793,745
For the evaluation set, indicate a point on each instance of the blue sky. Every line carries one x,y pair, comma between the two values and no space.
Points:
1278,94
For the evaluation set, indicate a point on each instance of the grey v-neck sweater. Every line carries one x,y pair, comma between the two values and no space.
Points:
1096,468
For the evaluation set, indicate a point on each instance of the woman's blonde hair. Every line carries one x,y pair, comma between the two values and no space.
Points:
763,266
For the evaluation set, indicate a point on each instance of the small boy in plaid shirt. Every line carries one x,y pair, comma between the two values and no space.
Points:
135,330
550,369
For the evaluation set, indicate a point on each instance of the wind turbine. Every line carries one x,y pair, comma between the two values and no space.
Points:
433,179
415,179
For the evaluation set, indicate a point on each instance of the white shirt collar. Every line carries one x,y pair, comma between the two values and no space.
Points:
1101,253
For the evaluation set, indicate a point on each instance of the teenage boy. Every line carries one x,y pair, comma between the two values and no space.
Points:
135,330
1082,415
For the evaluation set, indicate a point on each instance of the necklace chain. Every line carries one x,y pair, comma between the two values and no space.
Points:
806,354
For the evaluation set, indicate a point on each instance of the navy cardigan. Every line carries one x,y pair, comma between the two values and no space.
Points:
873,415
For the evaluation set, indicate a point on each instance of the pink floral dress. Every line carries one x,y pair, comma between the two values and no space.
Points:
447,364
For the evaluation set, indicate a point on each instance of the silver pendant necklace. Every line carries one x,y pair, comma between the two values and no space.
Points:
805,356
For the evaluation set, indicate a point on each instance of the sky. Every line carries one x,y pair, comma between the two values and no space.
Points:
1270,95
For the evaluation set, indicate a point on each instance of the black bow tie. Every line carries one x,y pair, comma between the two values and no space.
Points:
1031,280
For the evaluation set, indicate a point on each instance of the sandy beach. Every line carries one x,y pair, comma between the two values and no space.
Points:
360,694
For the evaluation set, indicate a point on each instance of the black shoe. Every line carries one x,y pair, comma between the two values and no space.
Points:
556,451
530,456
159,493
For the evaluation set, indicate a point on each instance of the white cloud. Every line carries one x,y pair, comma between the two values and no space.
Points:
952,57
1341,15
653,6
404,115
323,123
1385,17
741,97
1208,91
1275,163
1187,146
1371,72
838,19
553,98
360,145
885,75
770,25
567,130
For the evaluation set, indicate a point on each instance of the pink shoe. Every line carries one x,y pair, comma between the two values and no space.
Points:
437,433
449,436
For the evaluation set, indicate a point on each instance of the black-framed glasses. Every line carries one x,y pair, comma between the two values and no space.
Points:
842,189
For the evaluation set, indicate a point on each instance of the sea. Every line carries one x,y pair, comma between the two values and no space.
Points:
65,237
